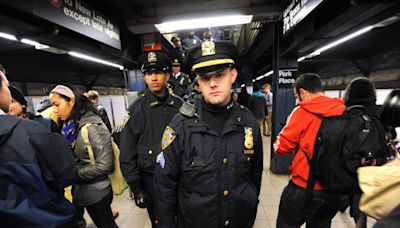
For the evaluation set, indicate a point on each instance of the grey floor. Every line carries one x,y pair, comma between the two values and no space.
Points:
271,189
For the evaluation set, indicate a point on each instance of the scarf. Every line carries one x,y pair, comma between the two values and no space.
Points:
69,131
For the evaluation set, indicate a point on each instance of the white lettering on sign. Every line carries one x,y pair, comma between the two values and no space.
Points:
82,9
70,13
296,11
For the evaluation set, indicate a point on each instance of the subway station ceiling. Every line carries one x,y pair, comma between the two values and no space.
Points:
377,50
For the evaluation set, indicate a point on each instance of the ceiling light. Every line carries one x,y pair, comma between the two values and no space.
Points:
7,36
344,39
243,85
34,43
93,59
172,26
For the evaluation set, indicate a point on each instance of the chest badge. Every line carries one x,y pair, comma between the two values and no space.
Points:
168,137
248,138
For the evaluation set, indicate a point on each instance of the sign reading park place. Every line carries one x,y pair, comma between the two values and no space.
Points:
79,17
296,11
287,77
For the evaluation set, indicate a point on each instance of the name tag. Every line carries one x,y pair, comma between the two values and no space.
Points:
248,151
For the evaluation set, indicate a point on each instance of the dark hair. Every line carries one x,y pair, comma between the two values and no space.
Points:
308,81
82,103
2,69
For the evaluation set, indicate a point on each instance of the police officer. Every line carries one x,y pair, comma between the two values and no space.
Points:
142,134
179,80
208,173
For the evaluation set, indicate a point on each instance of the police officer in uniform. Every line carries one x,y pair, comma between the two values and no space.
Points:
208,173
179,80
141,136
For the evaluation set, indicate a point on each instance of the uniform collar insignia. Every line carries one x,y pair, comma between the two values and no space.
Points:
151,57
154,103
208,48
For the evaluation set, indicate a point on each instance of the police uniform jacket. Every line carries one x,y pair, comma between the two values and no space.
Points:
142,135
180,82
206,179
35,166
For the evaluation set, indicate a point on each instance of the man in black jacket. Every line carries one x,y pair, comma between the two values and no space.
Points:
208,173
35,167
141,135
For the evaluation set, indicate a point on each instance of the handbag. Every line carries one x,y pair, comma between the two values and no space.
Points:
118,182
381,188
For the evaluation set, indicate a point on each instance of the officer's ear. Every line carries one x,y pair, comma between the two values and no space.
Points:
167,76
234,74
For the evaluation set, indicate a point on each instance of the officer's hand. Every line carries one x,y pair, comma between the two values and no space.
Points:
142,199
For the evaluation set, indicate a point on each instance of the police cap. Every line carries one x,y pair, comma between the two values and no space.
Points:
176,62
154,61
212,57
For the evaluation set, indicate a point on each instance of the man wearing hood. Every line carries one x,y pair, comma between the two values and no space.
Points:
258,106
298,137
35,167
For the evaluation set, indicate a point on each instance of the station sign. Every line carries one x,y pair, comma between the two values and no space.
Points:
296,11
287,77
81,18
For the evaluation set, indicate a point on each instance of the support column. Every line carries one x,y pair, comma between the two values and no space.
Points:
285,73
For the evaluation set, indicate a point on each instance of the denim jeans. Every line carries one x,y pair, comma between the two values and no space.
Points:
292,212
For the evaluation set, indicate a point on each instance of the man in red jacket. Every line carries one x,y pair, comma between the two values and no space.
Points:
298,137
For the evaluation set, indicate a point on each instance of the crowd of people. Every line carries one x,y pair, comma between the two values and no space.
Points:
190,150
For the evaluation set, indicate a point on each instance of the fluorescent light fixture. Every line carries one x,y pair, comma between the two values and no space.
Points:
259,77
7,36
253,80
301,59
269,73
344,39
243,85
93,59
34,43
172,26
335,43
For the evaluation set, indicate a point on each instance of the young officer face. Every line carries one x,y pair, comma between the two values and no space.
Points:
156,82
5,94
216,88
62,107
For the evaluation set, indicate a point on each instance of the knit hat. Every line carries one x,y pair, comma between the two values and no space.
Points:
17,95
360,91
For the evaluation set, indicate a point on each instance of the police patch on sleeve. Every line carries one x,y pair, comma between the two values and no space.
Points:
168,137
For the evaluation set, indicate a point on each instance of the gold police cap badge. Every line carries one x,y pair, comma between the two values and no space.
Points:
208,48
151,57
248,138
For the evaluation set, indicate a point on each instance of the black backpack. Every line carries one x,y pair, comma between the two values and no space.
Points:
343,144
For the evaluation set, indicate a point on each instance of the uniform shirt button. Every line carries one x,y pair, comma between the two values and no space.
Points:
225,161
226,193
227,222
248,158
150,152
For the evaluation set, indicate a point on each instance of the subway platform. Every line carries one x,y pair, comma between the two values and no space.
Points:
271,188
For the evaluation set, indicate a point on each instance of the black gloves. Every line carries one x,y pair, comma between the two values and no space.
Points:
142,199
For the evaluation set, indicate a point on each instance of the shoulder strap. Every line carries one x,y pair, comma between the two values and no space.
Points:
85,137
